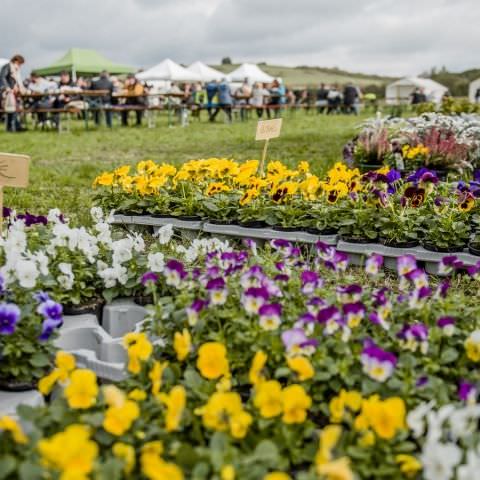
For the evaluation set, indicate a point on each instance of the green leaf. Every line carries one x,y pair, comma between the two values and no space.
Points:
7,465
30,471
449,356
39,360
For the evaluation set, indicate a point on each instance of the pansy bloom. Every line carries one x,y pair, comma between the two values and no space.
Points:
270,316
378,364
174,273
253,298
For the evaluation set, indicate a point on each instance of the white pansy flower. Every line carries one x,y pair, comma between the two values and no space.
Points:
164,234
54,215
156,262
416,418
27,273
470,470
439,460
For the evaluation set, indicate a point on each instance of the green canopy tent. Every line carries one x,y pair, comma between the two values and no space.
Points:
80,61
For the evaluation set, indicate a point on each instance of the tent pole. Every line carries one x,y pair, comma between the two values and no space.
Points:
74,74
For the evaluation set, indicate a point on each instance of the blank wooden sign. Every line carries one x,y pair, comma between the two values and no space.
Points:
267,129
14,170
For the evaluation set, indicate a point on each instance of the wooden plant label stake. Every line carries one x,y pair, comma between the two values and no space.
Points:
13,173
267,129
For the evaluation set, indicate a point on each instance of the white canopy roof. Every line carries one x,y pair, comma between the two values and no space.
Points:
472,91
400,91
206,73
3,61
250,71
168,70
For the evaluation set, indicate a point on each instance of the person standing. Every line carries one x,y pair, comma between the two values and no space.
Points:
350,96
259,93
11,87
212,91
224,101
322,98
104,102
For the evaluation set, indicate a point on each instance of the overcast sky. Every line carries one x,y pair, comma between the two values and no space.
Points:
394,37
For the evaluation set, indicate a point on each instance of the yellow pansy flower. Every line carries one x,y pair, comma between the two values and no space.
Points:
82,390
10,425
268,398
182,343
301,366
409,465
296,402
138,348
212,360
175,402
258,363
126,453
119,419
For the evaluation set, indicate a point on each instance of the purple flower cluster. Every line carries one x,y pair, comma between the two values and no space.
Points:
52,313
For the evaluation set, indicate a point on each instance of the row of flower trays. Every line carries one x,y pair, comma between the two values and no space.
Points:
357,252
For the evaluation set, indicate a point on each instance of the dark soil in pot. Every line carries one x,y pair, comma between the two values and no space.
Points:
474,249
434,248
348,239
253,224
13,385
161,215
221,222
143,300
279,228
94,306
393,244
189,218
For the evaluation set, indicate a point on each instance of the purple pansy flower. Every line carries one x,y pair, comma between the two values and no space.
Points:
447,324
293,340
373,264
253,298
467,392
414,336
270,316
194,310
378,364
354,313
9,317
217,290
149,278
310,281
450,263
282,246
349,293
405,264
174,273
50,309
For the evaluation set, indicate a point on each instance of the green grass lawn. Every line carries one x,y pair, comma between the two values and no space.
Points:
64,165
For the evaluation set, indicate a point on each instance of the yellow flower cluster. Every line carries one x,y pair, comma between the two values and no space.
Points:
219,175
224,413
271,400
72,452
182,343
154,467
411,153
385,417
175,402
341,181
327,467
121,412
65,364
139,350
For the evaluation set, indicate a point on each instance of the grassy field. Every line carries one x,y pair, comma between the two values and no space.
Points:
64,165
308,76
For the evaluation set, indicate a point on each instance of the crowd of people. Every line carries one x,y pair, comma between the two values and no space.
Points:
46,98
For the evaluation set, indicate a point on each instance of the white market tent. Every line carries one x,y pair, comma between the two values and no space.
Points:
472,90
3,61
168,70
399,92
250,71
206,73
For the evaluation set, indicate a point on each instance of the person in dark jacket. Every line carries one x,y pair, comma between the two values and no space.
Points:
11,87
322,98
350,96
105,102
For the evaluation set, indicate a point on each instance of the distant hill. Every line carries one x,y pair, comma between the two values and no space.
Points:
304,76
